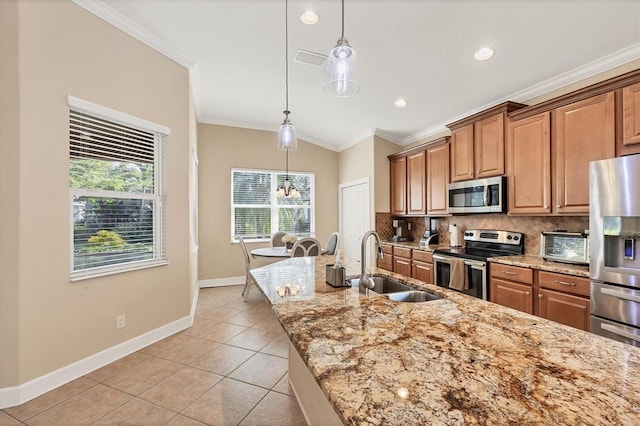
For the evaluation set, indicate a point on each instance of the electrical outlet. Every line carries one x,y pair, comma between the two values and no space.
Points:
120,321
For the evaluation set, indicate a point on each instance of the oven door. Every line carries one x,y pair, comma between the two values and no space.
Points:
475,271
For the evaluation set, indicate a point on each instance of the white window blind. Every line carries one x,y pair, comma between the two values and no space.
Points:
257,212
116,187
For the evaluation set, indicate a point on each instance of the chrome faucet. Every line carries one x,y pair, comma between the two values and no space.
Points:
365,283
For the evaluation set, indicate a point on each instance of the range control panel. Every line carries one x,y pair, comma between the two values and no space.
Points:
494,236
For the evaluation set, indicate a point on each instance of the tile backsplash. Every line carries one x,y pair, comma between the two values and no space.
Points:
530,226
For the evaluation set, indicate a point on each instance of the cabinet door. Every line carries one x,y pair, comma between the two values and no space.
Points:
512,295
398,172
402,266
462,153
489,147
630,120
584,132
386,262
416,183
564,308
437,180
529,165
422,271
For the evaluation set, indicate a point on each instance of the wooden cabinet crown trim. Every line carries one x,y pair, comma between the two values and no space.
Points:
505,107
421,147
605,86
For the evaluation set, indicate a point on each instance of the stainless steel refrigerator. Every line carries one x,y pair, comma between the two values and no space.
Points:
614,266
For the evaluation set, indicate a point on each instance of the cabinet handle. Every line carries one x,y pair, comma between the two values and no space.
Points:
539,296
526,292
509,273
557,206
564,283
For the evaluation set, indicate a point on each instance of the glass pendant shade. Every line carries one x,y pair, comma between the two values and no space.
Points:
342,77
287,136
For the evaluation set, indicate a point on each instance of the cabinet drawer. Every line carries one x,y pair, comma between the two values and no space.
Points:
387,249
512,273
565,309
422,256
402,252
562,282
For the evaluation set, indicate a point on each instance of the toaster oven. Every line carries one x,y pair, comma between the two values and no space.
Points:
566,247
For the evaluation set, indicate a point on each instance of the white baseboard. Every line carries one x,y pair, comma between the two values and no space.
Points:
16,395
221,282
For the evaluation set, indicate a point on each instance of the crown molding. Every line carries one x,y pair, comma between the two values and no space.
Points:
388,136
615,59
118,20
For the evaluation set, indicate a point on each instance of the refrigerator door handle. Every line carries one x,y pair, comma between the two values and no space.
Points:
620,295
616,330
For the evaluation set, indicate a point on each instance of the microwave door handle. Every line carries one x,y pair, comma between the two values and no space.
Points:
487,195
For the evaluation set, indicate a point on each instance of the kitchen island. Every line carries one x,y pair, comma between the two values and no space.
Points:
458,360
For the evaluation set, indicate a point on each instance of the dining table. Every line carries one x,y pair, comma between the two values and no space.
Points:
271,252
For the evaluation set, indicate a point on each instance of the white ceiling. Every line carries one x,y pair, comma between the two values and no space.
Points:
419,50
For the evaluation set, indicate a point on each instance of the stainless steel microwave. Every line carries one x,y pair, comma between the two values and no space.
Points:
479,196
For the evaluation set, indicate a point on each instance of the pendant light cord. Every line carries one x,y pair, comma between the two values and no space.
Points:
286,57
342,19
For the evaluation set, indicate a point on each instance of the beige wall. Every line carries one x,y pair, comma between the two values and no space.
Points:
381,149
222,148
61,49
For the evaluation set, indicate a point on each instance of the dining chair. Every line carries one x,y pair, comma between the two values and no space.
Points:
332,244
306,247
276,239
247,262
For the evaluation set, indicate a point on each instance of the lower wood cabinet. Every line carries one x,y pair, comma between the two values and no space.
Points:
512,295
387,259
402,261
564,299
422,266
564,308
557,297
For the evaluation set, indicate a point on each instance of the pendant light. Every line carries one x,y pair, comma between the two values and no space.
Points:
287,189
342,79
287,133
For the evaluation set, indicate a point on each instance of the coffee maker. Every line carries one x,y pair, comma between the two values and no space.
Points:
402,229
430,235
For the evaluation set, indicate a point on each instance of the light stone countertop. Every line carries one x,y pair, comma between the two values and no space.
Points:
450,362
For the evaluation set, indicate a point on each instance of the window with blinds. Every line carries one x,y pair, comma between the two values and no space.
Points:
116,178
257,212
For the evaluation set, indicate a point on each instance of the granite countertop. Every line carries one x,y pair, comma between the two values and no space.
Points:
537,262
453,361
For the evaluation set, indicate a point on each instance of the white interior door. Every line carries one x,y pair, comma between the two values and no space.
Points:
355,215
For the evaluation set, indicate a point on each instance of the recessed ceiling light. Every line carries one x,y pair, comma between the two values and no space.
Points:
483,53
309,17
400,103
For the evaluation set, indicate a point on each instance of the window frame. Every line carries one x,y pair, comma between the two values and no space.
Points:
274,202
158,197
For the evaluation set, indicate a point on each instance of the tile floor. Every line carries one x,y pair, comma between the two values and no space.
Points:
229,368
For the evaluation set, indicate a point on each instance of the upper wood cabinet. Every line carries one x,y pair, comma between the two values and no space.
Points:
584,132
438,180
416,183
529,165
477,143
414,186
398,172
462,153
630,120
489,146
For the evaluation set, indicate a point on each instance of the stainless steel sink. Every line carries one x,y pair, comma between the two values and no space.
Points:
413,296
383,285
